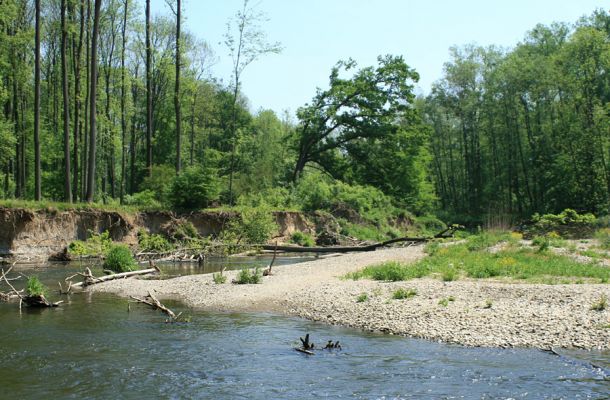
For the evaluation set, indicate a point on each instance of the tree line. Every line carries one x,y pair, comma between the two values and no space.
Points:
103,101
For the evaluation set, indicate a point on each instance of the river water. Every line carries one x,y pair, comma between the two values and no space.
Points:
94,347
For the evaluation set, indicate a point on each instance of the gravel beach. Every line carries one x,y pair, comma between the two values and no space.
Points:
471,312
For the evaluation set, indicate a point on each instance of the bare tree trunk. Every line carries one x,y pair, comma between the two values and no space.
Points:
177,89
148,94
37,186
123,116
92,98
77,102
64,85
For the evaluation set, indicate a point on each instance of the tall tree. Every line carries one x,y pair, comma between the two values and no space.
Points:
177,106
246,42
37,172
66,111
123,96
148,93
92,102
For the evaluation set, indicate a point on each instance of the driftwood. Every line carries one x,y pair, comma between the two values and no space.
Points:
13,293
347,249
152,301
39,300
89,279
267,271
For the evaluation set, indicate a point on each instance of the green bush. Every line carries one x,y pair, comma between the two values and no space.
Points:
247,276
158,183
146,199
96,245
35,287
302,239
119,259
194,188
219,278
568,224
254,226
392,271
153,243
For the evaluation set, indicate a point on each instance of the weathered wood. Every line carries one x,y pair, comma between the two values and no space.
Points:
347,249
152,301
309,353
92,280
39,300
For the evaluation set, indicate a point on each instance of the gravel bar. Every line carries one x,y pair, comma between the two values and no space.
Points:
481,313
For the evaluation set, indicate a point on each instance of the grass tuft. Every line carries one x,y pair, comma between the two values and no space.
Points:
247,276
35,287
601,304
362,297
401,294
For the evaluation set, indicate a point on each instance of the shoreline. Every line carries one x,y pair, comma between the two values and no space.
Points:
483,313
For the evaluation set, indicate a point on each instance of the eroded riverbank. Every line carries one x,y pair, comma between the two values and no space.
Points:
482,313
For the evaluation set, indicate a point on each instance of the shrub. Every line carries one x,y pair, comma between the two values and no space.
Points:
247,276
119,259
153,243
254,225
219,278
401,294
195,188
146,199
35,287
542,242
96,245
159,182
568,223
302,239
362,297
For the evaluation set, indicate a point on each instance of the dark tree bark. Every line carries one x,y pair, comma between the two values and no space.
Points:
66,111
123,115
37,186
148,94
92,98
177,90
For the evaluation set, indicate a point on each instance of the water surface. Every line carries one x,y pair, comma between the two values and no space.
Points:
93,347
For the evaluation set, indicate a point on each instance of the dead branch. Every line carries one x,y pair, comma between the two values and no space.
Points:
152,301
92,280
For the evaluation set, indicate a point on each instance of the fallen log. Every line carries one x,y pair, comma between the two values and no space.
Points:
92,280
347,249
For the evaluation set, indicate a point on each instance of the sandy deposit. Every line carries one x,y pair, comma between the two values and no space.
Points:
483,313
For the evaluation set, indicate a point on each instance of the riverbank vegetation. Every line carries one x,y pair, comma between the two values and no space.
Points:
497,255
503,135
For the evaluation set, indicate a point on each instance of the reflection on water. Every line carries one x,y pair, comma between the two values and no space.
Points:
92,347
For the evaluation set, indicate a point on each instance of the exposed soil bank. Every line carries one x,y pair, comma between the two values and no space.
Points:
523,315
38,235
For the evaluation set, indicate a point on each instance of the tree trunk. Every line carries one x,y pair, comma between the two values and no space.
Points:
92,98
37,186
148,94
66,117
123,116
177,89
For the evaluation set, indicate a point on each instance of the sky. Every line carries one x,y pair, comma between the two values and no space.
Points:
315,34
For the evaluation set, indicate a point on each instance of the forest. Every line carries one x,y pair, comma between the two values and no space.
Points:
104,103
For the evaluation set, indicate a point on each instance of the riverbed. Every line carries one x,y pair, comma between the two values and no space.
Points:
94,347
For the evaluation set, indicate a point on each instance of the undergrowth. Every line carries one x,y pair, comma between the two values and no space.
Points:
473,259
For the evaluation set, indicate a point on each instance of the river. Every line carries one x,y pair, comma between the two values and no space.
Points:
92,346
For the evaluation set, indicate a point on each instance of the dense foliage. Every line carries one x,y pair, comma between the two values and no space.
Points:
505,132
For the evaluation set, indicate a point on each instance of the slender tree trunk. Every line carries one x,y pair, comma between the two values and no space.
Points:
77,102
148,93
92,98
192,149
132,141
66,117
85,150
177,90
37,186
123,115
